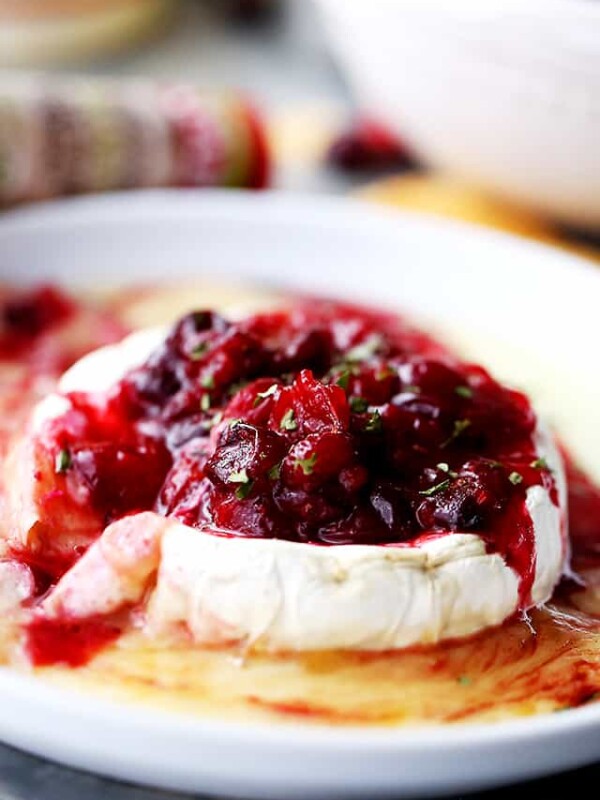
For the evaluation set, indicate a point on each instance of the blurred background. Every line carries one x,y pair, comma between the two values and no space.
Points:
488,112
484,111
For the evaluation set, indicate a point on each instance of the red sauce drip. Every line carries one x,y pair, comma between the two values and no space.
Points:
70,642
584,511
513,536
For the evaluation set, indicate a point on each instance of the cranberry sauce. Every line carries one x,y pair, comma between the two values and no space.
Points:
26,316
47,330
584,515
328,423
74,643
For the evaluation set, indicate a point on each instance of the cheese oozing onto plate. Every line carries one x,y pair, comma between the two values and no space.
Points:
284,595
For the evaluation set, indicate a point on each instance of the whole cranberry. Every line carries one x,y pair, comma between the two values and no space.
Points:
308,406
466,500
234,357
311,508
177,363
244,453
317,459
393,508
185,491
376,383
306,349
119,476
255,516
434,378
360,526
253,402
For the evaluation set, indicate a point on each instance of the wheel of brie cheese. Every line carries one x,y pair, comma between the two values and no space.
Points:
321,477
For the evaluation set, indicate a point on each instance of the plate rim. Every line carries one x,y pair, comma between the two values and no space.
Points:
124,205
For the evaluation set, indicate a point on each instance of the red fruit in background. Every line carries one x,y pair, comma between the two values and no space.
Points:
369,145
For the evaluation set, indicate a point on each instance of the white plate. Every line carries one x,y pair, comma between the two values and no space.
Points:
530,297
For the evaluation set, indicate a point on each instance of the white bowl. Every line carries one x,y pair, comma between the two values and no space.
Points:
503,93
460,276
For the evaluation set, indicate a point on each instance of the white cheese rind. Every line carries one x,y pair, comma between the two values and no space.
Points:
98,372
17,585
288,595
549,522
103,368
294,596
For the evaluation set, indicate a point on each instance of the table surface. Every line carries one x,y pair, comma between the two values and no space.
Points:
285,65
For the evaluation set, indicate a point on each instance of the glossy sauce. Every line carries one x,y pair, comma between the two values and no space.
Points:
548,662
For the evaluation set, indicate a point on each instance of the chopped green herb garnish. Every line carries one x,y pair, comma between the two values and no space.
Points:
234,423
288,421
443,467
218,417
238,477
515,478
208,382
307,465
268,393
385,372
460,425
343,379
63,461
244,490
411,389
439,487
198,351
358,404
464,391
275,472
205,402
375,423
540,463
365,349
464,680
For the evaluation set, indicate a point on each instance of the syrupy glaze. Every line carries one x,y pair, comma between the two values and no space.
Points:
547,662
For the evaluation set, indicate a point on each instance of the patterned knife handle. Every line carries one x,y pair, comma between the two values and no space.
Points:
61,136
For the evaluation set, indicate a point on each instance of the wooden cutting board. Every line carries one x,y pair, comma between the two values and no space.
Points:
446,197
